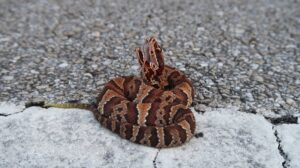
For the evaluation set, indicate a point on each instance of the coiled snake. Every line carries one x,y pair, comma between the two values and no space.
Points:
152,109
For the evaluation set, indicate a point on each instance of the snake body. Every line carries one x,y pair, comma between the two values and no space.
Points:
153,109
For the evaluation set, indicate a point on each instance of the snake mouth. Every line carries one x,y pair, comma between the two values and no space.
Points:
151,60
151,55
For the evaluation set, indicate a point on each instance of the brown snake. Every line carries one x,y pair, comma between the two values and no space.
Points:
153,109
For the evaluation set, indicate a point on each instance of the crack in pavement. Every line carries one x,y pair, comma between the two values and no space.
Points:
154,160
288,119
26,106
36,104
4,115
20,111
285,163
7,115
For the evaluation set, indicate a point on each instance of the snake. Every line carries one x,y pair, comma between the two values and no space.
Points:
153,109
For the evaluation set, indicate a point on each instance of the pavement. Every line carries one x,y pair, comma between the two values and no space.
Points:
38,137
242,57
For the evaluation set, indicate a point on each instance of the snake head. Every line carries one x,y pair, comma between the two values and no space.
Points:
151,60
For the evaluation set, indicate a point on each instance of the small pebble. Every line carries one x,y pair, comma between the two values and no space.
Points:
7,78
290,102
63,65
200,107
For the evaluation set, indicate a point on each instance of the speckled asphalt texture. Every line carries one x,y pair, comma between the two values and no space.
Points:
241,53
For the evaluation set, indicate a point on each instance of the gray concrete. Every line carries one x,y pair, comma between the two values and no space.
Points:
73,138
244,53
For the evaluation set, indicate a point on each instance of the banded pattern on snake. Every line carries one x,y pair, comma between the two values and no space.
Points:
153,109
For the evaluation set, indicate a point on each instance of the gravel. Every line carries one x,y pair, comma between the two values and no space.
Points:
237,53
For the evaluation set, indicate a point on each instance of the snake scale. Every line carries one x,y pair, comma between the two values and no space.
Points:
151,110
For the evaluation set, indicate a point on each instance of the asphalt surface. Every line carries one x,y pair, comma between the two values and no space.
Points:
240,53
